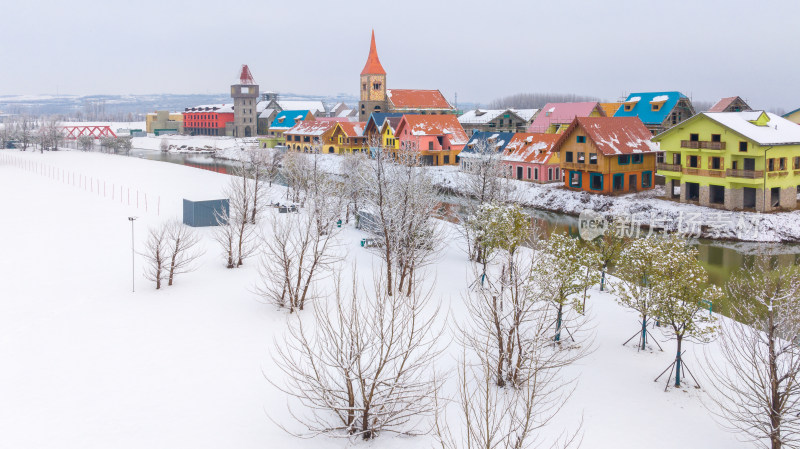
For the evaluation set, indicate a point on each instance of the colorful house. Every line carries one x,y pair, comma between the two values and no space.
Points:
554,118
436,138
285,120
497,120
793,116
482,145
659,111
372,130
389,139
312,136
730,104
609,109
530,157
207,120
733,160
607,155
347,138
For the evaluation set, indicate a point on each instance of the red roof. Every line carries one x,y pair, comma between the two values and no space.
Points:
434,125
722,104
246,77
417,99
613,135
333,119
560,113
534,148
353,129
311,128
373,65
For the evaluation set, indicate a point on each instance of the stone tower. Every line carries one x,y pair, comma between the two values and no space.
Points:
245,99
373,85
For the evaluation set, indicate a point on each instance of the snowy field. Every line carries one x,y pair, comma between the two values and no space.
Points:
89,364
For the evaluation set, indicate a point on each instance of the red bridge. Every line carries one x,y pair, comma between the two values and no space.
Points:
97,131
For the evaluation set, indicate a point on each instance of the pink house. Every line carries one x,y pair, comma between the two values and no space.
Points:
437,138
556,117
529,157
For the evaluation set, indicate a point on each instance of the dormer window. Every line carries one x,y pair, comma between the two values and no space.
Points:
656,106
628,107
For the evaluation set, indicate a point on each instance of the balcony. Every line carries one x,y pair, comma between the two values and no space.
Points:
776,174
702,144
668,167
579,166
747,174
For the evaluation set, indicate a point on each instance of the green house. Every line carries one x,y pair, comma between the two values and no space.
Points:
733,160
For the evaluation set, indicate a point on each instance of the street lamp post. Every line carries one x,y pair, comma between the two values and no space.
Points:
133,253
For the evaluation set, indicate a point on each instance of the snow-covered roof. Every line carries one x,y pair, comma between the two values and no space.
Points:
218,108
482,116
435,125
775,130
312,127
561,113
266,113
314,106
417,99
344,112
659,99
613,135
535,148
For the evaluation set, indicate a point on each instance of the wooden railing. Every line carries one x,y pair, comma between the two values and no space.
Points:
704,144
748,174
668,167
776,174
579,166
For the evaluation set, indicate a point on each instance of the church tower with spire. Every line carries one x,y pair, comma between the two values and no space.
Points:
373,85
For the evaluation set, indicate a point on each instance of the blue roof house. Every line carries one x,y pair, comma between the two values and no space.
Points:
659,111
287,119
483,144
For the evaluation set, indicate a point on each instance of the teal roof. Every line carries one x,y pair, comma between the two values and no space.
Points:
644,110
790,113
287,119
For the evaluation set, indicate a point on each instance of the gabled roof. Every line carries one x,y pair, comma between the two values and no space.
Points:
561,113
642,106
609,109
376,119
613,135
491,140
266,113
287,119
311,128
417,99
722,104
392,123
534,148
775,130
482,116
790,113
434,125
352,129
373,65
333,119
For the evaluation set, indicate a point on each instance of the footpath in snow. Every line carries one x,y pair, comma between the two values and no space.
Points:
89,364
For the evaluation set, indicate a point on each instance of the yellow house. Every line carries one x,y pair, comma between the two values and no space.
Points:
347,138
388,138
310,136
793,116
164,120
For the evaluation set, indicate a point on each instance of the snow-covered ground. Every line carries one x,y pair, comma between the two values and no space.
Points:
220,146
89,364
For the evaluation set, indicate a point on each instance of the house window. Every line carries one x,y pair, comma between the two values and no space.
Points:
656,107
575,179
716,163
782,164
581,157
647,179
628,107
771,164
558,173
624,160
364,86
797,163
742,146
430,146
535,173
581,139
593,158
618,182
716,138
549,174
694,137
529,173
568,156
694,162
376,86
596,181
676,158
637,158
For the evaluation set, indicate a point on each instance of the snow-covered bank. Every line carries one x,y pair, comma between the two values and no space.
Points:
88,364
221,147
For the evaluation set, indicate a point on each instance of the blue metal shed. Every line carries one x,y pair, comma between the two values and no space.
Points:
202,213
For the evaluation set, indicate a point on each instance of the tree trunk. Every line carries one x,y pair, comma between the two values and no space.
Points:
678,363
558,323
644,331
775,394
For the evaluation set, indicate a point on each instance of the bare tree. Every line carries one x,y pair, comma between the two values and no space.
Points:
758,385
25,132
123,145
234,232
156,255
297,250
364,366
8,131
108,144
182,251
163,145
257,161
295,170
225,234
354,169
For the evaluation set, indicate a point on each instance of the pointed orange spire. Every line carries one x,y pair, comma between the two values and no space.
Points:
373,65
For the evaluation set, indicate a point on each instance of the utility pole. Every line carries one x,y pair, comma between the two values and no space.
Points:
133,253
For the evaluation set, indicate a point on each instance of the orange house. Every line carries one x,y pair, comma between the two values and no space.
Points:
607,155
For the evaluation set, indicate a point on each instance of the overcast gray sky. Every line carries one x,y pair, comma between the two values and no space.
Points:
480,49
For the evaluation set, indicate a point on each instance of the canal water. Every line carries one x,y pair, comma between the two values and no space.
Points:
720,258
